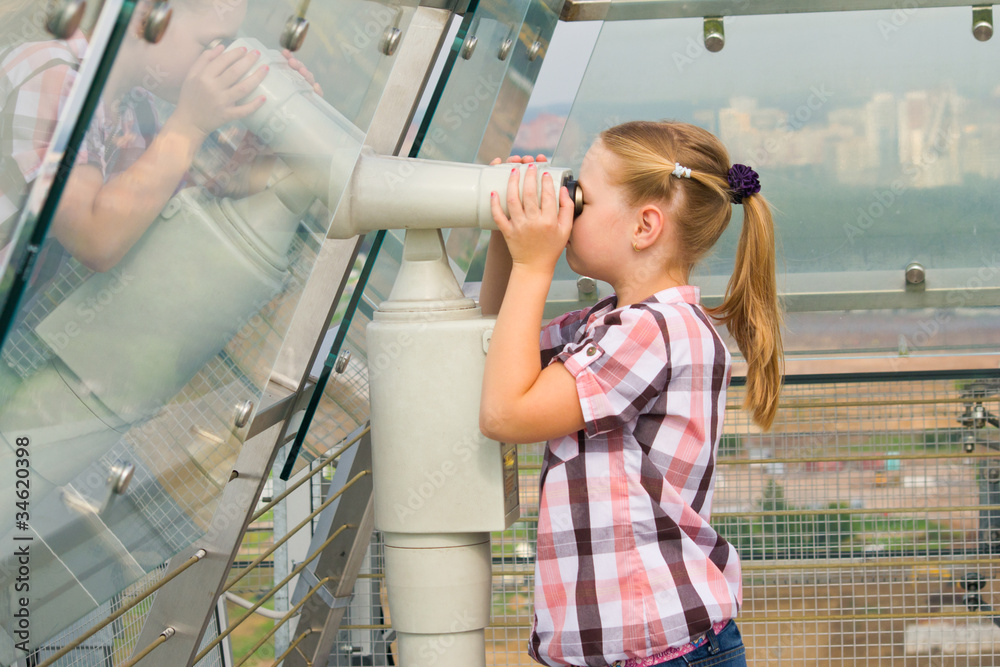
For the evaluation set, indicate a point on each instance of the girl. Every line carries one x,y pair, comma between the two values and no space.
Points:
630,394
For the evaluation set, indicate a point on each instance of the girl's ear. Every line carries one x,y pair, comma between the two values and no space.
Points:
649,226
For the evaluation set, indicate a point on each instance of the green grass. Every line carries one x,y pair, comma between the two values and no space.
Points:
731,444
249,633
826,534
911,443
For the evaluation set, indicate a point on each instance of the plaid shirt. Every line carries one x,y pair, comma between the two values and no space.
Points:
627,563
35,82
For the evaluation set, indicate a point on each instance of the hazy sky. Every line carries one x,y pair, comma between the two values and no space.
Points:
852,53
768,56
565,63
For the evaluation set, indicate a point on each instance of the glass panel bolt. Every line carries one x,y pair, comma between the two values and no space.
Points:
914,273
157,22
714,33
64,17
243,412
982,22
119,476
390,40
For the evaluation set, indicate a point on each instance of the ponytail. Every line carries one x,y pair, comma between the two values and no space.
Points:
751,313
689,167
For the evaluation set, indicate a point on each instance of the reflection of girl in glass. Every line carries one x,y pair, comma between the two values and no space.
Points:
129,165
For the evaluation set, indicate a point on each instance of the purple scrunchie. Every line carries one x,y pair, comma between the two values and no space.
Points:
744,182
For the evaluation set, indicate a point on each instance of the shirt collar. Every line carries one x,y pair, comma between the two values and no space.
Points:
680,294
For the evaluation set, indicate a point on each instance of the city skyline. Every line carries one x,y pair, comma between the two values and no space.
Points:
931,137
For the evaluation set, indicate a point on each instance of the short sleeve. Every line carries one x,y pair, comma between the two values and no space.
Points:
560,331
620,365
36,110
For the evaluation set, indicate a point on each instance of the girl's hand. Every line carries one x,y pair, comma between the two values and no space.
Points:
536,232
300,67
210,94
517,159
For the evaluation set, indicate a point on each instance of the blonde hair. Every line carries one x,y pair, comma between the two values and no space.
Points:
648,152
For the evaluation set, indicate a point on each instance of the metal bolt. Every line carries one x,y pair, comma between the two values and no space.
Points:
64,17
243,412
468,47
982,22
157,22
993,473
714,33
390,40
979,415
342,361
534,51
294,32
119,476
505,48
586,286
914,273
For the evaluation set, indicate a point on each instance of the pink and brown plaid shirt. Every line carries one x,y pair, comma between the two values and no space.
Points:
35,82
627,563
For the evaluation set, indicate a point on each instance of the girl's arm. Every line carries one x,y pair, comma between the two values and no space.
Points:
521,402
496,273
98,222
498,264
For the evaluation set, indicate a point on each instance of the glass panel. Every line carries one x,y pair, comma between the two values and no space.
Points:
475,74
493,67
175,263
874,156
466,106
344,47
49,90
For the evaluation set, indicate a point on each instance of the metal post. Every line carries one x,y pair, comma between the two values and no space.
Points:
281,569
340,561
187,606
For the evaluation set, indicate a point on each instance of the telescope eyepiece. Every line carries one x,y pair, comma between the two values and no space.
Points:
575,193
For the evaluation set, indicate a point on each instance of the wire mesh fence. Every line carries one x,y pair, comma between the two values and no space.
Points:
866,519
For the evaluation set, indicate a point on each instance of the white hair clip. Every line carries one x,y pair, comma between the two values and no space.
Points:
681,172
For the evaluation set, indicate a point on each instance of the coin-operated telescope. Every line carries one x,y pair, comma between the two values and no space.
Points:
441,487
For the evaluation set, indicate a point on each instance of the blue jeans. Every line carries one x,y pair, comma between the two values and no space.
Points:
721,650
